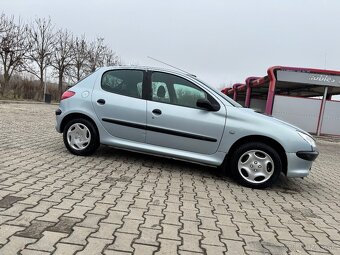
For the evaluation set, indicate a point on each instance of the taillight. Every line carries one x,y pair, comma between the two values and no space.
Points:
67,94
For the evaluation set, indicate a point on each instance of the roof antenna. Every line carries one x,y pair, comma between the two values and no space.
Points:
171,66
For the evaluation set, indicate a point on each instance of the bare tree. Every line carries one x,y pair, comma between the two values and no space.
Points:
101,55
42,39
110,57
80,59
62,57
36,47
96,54
4,22
3,28
13,49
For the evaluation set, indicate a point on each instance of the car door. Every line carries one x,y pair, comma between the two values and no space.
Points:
174,120
118,102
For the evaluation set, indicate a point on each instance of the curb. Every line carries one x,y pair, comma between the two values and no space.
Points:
24,102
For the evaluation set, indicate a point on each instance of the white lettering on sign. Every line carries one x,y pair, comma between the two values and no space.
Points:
322,78
309,78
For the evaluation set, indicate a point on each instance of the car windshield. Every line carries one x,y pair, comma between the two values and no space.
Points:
225,97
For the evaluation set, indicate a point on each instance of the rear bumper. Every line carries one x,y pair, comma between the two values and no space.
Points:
300,163
58,114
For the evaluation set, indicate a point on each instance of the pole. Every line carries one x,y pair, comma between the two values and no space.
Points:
45,85
322,111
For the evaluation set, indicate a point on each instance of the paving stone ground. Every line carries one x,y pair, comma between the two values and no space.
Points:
117,202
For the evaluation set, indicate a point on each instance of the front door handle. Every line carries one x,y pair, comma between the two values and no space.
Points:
157,112
101,101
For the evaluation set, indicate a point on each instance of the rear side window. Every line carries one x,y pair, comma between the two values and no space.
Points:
123,82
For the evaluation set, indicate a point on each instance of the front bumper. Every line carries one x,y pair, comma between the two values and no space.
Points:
300,164
308,155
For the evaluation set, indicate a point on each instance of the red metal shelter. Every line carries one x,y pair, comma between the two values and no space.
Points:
283,83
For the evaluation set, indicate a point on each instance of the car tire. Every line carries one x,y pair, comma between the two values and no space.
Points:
256,165
81,137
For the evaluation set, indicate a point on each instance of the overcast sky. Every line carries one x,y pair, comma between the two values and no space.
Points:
221,41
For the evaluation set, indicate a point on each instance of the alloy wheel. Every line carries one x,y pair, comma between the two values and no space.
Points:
255,166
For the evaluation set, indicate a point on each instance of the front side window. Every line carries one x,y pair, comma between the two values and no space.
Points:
168,88
123,82
187,95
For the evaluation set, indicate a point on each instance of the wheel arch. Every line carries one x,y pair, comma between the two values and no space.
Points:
262,139
71,116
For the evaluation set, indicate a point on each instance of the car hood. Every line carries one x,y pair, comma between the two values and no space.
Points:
270,118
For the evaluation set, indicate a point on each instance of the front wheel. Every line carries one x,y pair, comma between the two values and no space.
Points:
256,165
81,137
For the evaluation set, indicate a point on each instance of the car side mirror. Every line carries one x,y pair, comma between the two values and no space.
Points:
205,104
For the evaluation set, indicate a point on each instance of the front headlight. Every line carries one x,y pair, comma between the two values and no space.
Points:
308,139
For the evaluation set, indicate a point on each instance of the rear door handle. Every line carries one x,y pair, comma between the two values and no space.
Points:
101,101
157,112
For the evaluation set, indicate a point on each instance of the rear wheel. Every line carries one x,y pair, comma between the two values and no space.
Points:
256,165
81,137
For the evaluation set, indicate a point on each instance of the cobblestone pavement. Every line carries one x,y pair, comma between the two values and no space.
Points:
118,202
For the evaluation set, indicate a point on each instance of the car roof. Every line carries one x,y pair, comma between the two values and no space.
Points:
149,68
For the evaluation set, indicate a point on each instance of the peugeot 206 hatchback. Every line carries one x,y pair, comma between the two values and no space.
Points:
176,115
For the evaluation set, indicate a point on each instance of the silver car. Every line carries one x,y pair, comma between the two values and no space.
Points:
176,115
